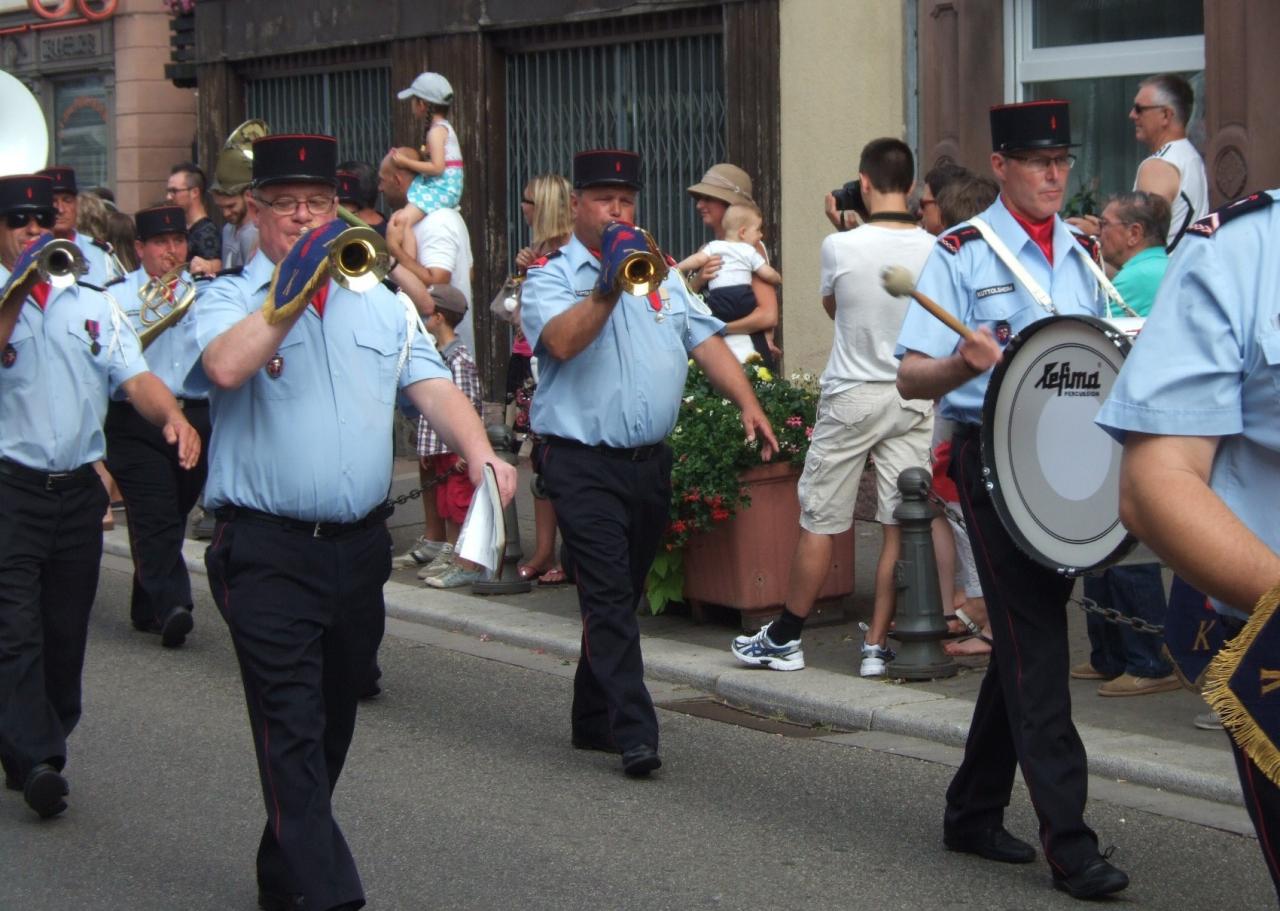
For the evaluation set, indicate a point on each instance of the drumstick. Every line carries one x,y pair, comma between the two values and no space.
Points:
897,281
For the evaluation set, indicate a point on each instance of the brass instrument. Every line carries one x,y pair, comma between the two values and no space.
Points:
358,259
164,300
61,263
642,271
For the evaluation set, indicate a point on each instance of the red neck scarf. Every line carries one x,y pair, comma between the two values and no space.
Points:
319,299
1040,232
41,293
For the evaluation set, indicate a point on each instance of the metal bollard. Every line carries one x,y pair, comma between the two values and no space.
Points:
919,626
508,581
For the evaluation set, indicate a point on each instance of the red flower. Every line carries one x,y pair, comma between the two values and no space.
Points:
693,496
678,527
719,515
715,502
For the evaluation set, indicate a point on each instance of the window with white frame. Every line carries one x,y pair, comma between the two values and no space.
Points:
1093,53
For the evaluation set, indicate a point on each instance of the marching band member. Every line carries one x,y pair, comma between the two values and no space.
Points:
63,351
68,210
158,492
1017,265
300,468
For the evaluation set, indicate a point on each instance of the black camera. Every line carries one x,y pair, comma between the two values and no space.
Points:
849,198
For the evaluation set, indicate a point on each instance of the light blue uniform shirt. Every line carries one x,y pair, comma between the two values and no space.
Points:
95,257
1209,364
174,351
53,388
624,388
975,286
314,441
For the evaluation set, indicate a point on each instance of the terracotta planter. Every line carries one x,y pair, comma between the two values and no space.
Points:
745,562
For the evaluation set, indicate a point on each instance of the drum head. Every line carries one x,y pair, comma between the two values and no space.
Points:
1054,474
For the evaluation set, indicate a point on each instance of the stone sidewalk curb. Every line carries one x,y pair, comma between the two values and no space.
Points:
809,697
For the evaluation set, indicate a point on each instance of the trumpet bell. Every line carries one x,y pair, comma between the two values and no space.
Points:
358,259
642,272
164,300
61,263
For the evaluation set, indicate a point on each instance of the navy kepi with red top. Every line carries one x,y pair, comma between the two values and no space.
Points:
606,167
160,220
64,179
348,187
292,158
26,193
1030,125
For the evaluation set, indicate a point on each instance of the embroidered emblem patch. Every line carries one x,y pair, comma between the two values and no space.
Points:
1003,332
275,367
10,357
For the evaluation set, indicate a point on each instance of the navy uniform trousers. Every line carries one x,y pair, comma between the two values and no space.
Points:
1023,714
306,616
612,509
50,550
159,495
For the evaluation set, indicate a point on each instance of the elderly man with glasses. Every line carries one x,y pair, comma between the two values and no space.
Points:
992,273
185,189
66,204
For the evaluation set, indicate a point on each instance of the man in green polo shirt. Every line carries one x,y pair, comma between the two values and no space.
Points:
1132,231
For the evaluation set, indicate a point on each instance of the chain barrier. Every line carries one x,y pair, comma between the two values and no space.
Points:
404,498
1088,605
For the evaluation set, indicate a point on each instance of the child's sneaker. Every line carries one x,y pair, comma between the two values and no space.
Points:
443,560
422,551
874,660
455,576
761,651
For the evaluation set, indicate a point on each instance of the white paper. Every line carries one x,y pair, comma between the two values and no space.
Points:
483,537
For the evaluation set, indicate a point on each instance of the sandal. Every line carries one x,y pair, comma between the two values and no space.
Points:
554,576
978,646
530,573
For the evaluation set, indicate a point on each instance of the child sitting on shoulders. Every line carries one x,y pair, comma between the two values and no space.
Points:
729,292
438,180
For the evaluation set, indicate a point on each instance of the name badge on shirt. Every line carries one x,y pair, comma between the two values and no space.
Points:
994,289
581,293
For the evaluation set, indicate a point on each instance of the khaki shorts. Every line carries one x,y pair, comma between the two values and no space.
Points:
870,418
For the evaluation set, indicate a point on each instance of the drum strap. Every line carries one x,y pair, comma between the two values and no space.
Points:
1001,249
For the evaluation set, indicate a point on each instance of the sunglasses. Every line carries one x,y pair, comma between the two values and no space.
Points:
1141,109
44,218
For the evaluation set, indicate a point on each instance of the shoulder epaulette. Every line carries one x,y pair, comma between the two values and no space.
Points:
91,287
954,240
1089,243
105,248
234,270
115,281
544,259
1216,219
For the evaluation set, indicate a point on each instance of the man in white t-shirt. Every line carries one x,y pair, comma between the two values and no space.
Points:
859,412
1174,170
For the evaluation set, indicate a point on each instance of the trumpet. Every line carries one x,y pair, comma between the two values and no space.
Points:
165,299
643,269
60,263
357,260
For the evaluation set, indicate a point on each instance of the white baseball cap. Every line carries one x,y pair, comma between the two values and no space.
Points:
431,88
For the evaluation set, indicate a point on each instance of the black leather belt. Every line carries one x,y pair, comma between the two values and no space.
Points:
193,403
49,480
634,454
314,529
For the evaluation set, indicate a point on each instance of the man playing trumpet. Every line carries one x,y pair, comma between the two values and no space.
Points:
302,403
63,351
158,492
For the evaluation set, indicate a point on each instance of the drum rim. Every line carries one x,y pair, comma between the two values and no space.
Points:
994,488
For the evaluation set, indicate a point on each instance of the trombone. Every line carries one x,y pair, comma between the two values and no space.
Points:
164,300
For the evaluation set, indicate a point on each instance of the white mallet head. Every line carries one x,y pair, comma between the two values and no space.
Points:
897,280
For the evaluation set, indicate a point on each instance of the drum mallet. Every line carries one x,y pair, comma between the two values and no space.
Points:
897,281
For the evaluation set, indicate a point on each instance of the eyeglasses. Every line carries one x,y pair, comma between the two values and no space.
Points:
285,206
174,191
1141,109
1109,223
1042,163
15,220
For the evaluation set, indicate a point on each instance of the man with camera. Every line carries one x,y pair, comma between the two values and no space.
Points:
860,411
613,367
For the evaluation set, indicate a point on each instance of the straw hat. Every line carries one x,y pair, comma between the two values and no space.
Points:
725,182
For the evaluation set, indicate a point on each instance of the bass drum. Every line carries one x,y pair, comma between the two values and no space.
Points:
1053,474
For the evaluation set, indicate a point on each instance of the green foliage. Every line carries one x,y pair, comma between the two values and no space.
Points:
710,451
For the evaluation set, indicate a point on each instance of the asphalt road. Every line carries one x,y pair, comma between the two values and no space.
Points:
462,793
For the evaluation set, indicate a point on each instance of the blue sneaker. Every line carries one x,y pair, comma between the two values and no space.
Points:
761,651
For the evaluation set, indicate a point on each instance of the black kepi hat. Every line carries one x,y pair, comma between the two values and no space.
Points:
160,220
64,179
348,187
295,158
26,193
606,167
1030,125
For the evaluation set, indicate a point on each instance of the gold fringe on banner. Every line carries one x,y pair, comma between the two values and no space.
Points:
1236,718
21,283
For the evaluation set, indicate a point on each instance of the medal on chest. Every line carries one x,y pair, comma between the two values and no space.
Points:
660,303
9,357
92,329
275,366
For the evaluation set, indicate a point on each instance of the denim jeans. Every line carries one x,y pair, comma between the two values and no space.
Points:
1134,591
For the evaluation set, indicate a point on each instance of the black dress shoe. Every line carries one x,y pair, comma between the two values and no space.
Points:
604,744
640,761
279,901
177,623
147,626
44,789
993,844
12,783
1095,879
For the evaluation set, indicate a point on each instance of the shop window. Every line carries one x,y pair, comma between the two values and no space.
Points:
80,137
1094,53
